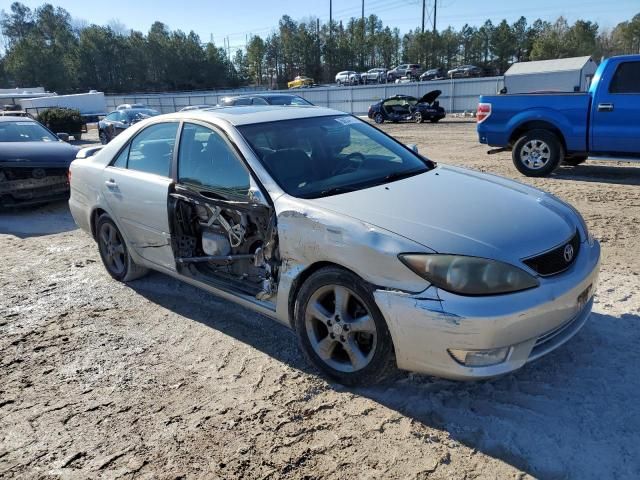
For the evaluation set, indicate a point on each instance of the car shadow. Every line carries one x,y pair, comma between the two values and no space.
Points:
571,414
34,221
621,173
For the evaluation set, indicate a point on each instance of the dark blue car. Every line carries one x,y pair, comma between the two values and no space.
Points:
405,108
33,163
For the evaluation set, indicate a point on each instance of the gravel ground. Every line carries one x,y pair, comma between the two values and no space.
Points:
157,379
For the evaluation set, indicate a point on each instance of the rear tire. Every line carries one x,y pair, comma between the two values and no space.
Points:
77,137
537,153
417,117
341,330
115,253
575,160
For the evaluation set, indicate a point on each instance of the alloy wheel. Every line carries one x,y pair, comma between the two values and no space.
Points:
112,246
340,328
535,154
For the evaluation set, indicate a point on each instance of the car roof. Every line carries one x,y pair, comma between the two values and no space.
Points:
271,94
16,118
250,114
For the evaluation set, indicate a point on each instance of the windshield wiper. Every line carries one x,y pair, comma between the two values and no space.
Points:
400,175
334,191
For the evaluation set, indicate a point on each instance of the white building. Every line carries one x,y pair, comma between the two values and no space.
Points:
561,75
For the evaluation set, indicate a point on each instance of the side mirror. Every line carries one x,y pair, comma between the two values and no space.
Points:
413,147
63,136
88,152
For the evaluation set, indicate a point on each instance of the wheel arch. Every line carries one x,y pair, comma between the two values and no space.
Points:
303,276
93,220
537,125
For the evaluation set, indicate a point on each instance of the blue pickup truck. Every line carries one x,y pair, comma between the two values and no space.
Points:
543,130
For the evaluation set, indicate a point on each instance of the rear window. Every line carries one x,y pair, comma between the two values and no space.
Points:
626,79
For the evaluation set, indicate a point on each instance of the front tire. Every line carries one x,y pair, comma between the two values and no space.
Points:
417,117
341,330
378,118
537,153
103,137
114,252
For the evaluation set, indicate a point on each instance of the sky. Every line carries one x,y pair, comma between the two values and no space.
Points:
240,19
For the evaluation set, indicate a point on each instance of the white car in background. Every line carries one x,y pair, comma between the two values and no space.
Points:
347,77
377,257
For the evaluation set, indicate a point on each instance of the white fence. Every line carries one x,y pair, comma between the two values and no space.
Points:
458,95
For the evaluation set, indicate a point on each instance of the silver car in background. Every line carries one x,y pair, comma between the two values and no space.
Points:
347,77
377,257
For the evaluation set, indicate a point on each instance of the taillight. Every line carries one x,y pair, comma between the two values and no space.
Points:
484,112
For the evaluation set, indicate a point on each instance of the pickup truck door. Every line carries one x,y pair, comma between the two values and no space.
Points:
136,188
615,128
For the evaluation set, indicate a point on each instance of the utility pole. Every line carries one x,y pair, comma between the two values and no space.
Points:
330,49
362,39
423,8
435,14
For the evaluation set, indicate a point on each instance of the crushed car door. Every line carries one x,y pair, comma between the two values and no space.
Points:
136,187
223,230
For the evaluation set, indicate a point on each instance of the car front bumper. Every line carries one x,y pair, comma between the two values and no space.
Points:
33,191
532,323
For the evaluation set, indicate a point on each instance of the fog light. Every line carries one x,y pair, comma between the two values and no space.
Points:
480,358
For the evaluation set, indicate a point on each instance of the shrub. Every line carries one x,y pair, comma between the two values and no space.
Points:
58,120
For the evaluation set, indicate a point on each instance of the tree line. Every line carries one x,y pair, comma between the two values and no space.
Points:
47,47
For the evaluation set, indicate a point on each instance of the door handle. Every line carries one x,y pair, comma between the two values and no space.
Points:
111,183
605,107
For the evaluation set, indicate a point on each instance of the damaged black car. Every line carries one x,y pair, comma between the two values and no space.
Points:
33,163
405,108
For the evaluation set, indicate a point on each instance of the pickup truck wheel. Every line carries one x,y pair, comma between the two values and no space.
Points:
575,160
341,330
537,153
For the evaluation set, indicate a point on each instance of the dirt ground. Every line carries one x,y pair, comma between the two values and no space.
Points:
157,379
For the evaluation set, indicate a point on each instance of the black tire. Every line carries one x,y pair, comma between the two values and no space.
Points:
378,118
339,83
537,153
103,137
77,137
418,118
575,160
379,363
124,269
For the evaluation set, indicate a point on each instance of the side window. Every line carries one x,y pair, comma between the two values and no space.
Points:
121,160
242,101
626,79
259,101
152,149
207,161
112,117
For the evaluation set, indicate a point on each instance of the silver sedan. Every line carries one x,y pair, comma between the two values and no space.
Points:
377,257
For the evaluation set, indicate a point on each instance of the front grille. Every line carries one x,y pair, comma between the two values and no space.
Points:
26,173
555,261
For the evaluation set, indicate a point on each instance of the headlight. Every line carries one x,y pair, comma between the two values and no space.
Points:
469,275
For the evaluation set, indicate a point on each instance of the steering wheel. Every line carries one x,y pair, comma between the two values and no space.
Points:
347,165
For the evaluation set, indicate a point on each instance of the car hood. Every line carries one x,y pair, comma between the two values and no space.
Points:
430,97
453,210
37,154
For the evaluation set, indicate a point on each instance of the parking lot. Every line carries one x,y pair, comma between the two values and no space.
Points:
157,379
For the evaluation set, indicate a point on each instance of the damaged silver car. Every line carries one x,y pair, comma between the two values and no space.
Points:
377,257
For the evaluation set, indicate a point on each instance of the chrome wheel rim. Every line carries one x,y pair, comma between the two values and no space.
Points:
418,117
113,250
340,328
535,154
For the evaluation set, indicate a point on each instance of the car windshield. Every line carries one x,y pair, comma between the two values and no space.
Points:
140,114
322,156
25,132
287,100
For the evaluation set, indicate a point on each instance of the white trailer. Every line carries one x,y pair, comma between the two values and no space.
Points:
91,105
559,75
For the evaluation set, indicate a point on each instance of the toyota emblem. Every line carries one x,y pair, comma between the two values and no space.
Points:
568,253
